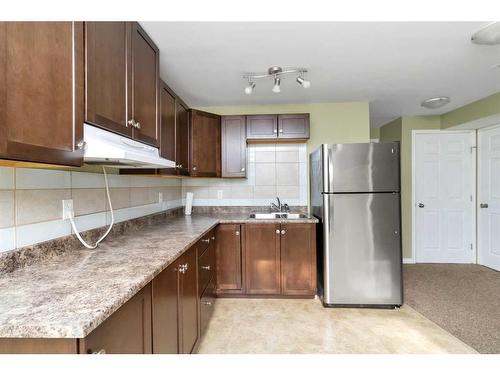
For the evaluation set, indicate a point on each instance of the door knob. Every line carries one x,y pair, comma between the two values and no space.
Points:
483,205
421,205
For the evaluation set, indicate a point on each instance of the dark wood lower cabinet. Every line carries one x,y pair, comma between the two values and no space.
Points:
188,297
127,331
229,259
262,258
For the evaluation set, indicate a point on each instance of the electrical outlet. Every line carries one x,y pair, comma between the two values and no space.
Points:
68,212
219,194
160,197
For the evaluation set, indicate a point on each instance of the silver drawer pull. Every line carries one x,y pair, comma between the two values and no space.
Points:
183,268
207,240
237,232
213,238
102,351
277,231
205,268
207,303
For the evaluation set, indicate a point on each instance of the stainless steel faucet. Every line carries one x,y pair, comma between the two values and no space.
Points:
281,207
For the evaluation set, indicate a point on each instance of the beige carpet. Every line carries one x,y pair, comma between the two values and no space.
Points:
462,299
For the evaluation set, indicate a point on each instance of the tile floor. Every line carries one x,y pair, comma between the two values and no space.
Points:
303,326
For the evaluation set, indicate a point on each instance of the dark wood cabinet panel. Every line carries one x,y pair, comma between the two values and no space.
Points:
145,82
233,146
262,126
167,127
165,309
188,296
229,258
38,346
298,259
205,144
182,139
107,75
207,303
295,126
127,331
262,258
42,91
206,267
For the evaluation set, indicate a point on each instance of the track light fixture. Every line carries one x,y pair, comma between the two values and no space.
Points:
276,72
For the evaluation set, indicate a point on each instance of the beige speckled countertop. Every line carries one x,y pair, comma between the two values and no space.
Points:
69,295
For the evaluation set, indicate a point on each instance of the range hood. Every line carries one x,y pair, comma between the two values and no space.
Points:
109,149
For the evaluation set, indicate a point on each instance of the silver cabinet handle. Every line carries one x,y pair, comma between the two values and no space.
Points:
483,205
281,130
82,145
194,168
207,303
207,240
183,268
130,122
277,231
275,131
283,232
205,268
243,169
101,351
213,238
137,125
237,233
178,166
421,205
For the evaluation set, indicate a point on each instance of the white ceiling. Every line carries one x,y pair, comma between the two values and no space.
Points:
393,65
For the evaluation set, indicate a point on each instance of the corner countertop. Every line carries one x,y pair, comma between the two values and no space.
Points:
69,295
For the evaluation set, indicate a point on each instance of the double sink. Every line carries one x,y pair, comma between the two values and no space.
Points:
277,215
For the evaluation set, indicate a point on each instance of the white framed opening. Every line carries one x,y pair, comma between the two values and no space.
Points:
488,185
443,196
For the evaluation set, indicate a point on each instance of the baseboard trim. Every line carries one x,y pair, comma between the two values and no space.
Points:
408,261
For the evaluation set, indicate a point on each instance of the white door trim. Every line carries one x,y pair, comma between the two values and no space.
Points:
474,183
479,172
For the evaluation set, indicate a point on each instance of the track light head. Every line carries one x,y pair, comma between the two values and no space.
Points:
276,87
249,88
303,82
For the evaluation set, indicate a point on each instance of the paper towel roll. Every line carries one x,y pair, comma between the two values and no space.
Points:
189,203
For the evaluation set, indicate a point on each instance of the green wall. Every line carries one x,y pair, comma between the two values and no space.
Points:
330,122
485,107
401,130
374,133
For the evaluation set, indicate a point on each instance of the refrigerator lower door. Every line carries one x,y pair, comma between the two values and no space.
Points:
362,254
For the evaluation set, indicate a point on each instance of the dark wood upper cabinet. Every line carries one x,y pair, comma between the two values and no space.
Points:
294,126
127,331
42,91
182,139
262,258
165,309
167,127
234,146
145,82
204,133
298,259
262,126
108,76
229,258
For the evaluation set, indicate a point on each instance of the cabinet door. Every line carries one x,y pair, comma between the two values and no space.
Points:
205,144
188,297
234,146
107,58
298,259
145,86
127,331
294,126
262,258
182,139
165,291
167,127
228,258
262,127
41,91
206,267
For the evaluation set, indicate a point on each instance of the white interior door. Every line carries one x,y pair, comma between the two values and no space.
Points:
444,194
489,197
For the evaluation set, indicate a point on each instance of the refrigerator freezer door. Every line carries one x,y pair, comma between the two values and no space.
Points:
363,167
363,256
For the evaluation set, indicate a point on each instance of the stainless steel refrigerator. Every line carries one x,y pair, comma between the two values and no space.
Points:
355,193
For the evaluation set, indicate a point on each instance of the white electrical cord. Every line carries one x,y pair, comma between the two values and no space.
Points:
110,225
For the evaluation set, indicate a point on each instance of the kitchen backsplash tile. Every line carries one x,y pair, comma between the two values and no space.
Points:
272,169
31,207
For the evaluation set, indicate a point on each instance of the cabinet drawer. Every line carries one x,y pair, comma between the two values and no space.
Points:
205,241
206,269
207,306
